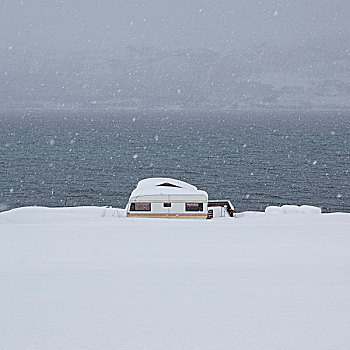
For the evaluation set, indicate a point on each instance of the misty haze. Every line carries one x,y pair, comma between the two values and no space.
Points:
174,55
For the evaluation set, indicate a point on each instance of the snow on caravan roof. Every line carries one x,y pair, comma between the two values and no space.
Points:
163,185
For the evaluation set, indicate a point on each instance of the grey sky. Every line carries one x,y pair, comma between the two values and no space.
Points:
220,24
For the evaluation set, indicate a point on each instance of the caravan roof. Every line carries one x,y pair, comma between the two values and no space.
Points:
165,186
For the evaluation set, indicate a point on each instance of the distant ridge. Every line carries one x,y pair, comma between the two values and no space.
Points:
313,74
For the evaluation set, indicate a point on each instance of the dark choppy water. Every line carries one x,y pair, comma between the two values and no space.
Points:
253,158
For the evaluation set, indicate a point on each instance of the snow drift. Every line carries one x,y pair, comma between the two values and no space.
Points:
85,278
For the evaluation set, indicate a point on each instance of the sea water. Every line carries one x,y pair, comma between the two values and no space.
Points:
253,158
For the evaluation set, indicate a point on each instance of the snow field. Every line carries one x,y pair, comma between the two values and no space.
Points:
84,278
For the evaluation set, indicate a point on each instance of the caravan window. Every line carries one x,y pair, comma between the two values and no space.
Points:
166,205
140,207
194,206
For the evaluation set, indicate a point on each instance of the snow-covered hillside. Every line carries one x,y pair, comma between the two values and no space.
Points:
312,74
87,278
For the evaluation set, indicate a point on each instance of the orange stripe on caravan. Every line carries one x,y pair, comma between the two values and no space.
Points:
168,216
165,201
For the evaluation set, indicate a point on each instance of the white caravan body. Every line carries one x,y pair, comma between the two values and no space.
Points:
167,198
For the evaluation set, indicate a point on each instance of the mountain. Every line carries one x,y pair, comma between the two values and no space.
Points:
313,74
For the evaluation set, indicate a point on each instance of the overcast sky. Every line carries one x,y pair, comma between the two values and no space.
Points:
217,24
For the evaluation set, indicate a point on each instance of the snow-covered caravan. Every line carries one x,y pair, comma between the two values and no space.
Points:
167,198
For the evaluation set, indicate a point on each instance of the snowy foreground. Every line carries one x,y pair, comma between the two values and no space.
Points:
86,278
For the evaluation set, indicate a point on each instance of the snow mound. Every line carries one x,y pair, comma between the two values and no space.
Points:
59,214
292,209
309,209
